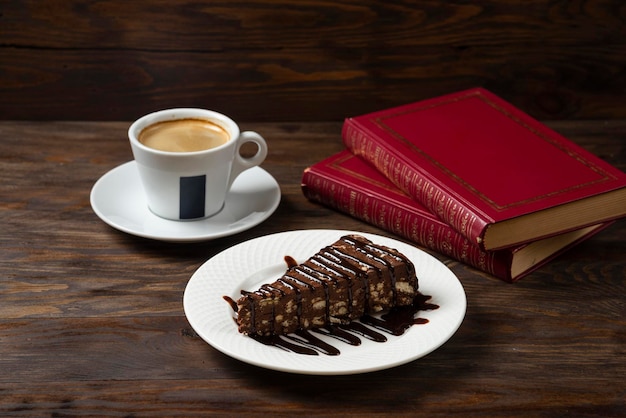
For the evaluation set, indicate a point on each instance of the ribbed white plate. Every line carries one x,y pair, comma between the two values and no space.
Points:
261,260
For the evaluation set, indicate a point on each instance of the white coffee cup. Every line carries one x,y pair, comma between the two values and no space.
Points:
188,185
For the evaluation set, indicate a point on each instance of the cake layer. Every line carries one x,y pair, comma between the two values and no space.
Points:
341,283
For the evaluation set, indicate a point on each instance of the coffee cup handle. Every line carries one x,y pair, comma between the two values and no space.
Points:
240,163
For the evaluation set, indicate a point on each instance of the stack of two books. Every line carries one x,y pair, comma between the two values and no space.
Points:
470,176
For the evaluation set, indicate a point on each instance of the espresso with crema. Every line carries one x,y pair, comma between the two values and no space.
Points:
184,135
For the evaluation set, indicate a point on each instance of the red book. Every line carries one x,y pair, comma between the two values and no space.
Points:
347,183
492,172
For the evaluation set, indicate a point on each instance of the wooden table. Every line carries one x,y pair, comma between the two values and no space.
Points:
92,320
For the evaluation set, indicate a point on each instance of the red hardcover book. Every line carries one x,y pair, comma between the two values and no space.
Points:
347,183
489,170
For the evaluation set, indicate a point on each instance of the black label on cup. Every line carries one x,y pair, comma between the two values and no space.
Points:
192,197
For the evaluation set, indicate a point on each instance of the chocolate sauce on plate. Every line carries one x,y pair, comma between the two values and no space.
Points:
395,322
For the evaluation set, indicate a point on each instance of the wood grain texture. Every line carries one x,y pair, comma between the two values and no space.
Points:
92,324
307,61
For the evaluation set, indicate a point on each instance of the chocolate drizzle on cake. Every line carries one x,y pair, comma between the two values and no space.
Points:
352,279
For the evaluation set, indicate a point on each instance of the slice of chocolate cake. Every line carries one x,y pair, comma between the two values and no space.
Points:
339,284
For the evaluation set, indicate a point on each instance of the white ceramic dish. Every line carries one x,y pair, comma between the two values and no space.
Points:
119,200
261,260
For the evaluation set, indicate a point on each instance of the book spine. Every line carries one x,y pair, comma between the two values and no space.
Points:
414,182
401,220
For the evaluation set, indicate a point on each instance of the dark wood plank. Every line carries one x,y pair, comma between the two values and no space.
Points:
276,61
206,26
500,363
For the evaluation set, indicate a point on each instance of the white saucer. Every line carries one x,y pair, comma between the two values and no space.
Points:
118,199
